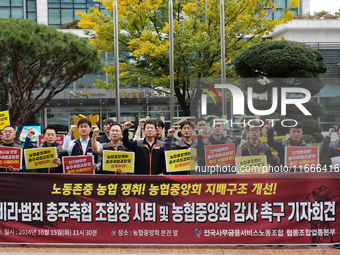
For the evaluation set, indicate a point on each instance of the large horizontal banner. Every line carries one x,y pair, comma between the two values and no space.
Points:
295,208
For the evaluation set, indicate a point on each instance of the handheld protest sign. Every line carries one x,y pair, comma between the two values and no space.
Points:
4,119
219,154
252,164
335,164
78,164
180,160
276,138
302,157
112,160
40,157
10,156
60,139
195,137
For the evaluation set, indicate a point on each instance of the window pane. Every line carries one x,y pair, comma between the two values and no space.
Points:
32,16
92,5
66,16
277,14
17,3
53,16
5,12
80,1
66,5
53,1
4,3
17,13
280,3
31,6
79,5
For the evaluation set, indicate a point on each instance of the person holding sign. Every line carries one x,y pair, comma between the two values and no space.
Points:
115,144
216,137
295,139
50,137
186,142
328,149
253,146
8,141
150,157
83,145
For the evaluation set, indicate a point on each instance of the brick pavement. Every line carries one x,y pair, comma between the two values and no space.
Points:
12,249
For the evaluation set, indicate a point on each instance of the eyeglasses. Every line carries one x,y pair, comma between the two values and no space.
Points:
8,131
254,130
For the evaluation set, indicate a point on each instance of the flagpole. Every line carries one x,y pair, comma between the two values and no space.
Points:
171,63
115,24
223,74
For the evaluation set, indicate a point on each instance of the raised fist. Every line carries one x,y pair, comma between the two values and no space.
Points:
72,128
171,132
141,123
127,125
243,143
330,132
30,132
272,124
201,131
95,130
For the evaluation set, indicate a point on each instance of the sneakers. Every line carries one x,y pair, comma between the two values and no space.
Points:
336,246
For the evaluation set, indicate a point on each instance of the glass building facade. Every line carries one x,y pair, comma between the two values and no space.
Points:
64,11
20,9
280,5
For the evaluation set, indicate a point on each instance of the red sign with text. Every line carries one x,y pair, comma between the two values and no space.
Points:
60,140
220,154
10,156
195,137
302,157
78,164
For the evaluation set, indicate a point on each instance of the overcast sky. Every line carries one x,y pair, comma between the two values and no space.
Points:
326,5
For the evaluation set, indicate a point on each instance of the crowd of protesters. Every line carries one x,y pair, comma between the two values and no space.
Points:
150,150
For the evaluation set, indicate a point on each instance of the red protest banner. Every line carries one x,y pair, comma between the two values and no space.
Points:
302,157
125,209
10,156
196,136
60,140
78,164
220,153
